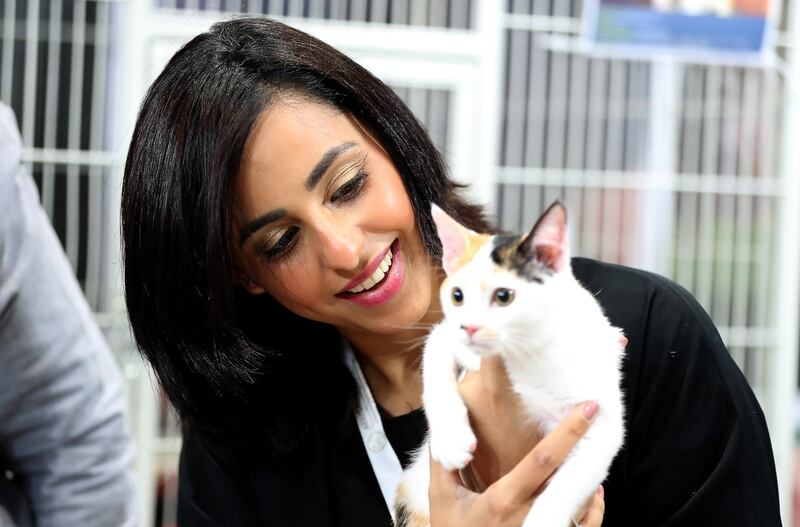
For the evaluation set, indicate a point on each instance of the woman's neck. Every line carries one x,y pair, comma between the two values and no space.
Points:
394,379
391,363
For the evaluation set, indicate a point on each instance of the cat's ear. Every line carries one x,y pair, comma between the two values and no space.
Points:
458,242
548,241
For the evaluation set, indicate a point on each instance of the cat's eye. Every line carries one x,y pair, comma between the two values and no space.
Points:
457,296
503,296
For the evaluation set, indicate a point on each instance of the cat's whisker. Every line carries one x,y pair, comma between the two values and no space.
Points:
414,325
518,345
413,342
426,327
417,363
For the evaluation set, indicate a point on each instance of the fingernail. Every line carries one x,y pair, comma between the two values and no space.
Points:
601,491
590,410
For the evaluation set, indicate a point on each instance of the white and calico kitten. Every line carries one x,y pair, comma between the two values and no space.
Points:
516,296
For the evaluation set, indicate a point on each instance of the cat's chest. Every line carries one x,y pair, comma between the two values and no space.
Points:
546,392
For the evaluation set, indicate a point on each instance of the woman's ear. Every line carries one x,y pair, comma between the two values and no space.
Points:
249,284
243,276
246,280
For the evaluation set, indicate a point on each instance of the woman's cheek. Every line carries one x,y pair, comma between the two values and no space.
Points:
393,206
295,287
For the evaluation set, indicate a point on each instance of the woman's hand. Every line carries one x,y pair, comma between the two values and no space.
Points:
595,510
507,501
504,432
498,420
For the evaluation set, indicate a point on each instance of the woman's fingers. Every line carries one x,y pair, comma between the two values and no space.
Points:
522,482
507,501
450,502
443,483
593,517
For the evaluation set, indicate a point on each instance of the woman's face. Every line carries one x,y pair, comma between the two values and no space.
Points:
325,224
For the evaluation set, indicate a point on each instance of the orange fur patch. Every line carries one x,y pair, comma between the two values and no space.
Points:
406,516
472,244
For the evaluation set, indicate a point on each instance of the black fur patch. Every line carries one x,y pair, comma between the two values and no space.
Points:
503,244
507,253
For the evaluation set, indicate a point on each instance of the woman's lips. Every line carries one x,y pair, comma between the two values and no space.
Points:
367,272
386,288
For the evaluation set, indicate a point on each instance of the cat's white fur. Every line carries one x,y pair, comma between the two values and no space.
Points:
559,350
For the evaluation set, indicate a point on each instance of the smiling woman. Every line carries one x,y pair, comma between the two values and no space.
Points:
324,222
277,164
282,271
270,180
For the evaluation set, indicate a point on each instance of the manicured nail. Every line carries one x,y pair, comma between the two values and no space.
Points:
590,410
601,491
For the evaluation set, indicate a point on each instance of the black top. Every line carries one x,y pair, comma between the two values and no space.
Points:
696,453
404,432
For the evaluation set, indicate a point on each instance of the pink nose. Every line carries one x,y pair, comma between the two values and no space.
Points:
471,330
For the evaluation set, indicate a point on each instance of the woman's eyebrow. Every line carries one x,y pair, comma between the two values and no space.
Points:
259,222
325,163
313,178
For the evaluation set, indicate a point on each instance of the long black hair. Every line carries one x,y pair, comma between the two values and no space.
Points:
243,373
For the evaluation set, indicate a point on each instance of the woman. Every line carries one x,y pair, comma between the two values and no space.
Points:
267,175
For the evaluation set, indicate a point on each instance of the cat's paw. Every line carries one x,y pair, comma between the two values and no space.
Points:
454,445
468,359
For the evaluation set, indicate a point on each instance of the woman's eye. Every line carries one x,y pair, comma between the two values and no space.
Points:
457,296
351,189
503,296
282,246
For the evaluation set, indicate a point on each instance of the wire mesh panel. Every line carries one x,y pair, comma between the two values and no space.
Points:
580,129
725,243
431,106
53,63
680,169
455,14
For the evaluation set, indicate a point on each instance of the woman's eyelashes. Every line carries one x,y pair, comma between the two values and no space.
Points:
352,189
281,248
287,242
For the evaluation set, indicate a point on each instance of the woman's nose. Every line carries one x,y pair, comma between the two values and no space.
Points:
341,246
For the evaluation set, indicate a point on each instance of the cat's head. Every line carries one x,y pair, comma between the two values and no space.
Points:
500,288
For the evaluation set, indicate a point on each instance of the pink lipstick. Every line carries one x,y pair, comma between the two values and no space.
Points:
382,291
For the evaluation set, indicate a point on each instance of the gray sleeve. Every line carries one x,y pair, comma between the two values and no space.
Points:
62,405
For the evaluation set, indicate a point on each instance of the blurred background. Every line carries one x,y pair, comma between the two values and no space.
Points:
690,170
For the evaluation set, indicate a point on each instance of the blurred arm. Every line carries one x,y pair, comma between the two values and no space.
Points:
62,406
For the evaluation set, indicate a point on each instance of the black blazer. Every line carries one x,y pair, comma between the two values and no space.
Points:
697,451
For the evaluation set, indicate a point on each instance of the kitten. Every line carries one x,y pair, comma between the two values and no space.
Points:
516,297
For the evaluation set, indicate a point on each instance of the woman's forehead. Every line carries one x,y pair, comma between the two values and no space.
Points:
287,142
294,133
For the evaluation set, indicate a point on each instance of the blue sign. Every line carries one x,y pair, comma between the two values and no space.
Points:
726,27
